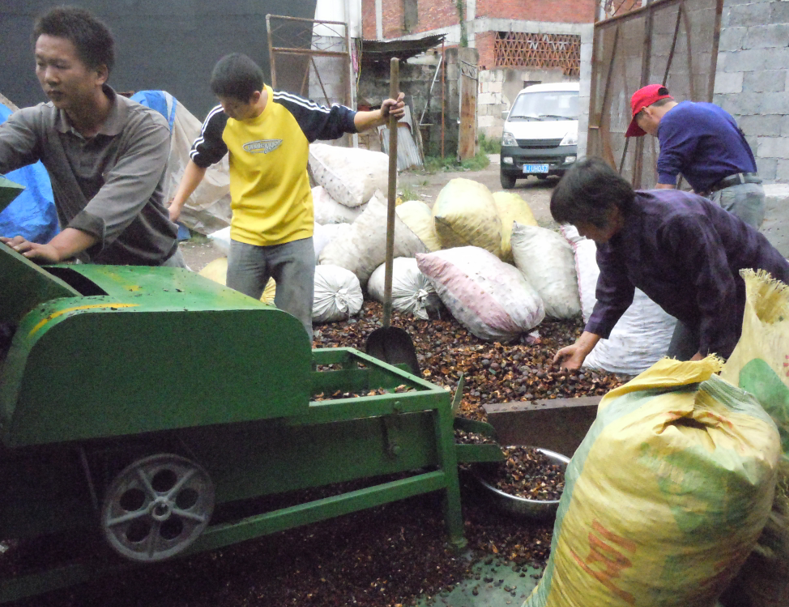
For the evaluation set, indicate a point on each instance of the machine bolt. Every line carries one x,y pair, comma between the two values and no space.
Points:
160,510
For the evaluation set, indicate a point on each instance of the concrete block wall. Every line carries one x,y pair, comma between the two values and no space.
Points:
752,79
585,84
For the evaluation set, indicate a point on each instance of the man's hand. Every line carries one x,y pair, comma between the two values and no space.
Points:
175,211
191,178
41,252
393,107
68,243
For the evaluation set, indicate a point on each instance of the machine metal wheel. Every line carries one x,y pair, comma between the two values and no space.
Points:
157,507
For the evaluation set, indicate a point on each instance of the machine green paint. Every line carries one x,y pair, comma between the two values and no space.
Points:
135,400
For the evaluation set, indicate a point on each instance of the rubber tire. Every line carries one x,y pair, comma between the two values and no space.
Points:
507,181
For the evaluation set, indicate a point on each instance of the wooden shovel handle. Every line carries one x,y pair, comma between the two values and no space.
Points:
394,86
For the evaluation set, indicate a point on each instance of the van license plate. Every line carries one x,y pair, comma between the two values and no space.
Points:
535,168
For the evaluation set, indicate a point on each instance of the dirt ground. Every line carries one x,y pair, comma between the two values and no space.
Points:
199,251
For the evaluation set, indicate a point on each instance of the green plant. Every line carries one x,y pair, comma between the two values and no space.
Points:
198,238
434,164
489,146
408,193
477,163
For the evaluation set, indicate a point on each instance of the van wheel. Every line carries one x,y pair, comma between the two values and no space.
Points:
507,181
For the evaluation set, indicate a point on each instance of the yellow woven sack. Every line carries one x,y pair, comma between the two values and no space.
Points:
217,271
419,218
760,361
465,214
760,365
511,207
666,496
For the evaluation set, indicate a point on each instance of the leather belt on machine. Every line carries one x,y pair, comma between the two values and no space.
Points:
736,179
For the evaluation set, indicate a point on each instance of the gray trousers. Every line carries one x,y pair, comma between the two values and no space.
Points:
176,260
291,265
745,200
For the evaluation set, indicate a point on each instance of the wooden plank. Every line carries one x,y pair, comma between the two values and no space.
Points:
467,64
557,424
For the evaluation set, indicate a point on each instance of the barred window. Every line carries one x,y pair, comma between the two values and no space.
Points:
520,49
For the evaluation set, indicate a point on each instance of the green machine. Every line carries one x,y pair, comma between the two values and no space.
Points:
136,402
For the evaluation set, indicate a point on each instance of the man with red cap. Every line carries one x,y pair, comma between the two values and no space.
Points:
703,143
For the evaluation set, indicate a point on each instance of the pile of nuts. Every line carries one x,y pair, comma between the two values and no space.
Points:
389,556
527,473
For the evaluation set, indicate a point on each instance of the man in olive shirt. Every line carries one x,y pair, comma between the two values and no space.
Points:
105,155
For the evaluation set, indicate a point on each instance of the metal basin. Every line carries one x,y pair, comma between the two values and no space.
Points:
521,506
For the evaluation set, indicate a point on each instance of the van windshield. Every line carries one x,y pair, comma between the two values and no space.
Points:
546,105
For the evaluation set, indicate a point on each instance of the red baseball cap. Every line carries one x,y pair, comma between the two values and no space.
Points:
641,99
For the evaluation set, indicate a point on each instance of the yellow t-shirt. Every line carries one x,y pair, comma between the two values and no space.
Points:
269,188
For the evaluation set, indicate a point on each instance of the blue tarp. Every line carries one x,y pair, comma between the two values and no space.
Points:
33,213
161,101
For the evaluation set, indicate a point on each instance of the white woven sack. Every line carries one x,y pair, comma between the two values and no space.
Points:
640,339
643,334
585,252
221,240
492,299
338,294
466,214
350,175
328,211
547,261
418,216
412,292
323,235
363,248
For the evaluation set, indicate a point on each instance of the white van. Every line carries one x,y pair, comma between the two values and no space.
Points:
540,133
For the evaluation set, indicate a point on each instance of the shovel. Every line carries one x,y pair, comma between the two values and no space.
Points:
391,344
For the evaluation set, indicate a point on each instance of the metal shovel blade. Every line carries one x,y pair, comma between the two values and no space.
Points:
394,346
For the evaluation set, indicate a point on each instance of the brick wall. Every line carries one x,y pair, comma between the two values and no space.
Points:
436,14
393,19
368,19
485,43
433,14
564,11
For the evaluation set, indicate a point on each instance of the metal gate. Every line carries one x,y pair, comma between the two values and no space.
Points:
311,58
673,42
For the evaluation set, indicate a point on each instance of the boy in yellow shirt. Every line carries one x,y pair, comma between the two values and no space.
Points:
267,135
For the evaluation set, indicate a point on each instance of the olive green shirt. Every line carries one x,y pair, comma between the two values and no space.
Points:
110,185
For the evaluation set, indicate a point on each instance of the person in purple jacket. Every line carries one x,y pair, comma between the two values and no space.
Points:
703,143
680,249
